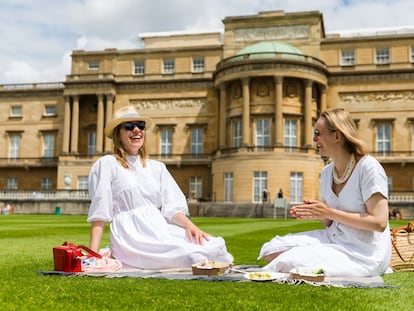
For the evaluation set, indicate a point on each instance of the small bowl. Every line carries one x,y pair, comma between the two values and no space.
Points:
307,274
210,268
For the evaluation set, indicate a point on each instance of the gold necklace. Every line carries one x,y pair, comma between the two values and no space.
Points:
347,173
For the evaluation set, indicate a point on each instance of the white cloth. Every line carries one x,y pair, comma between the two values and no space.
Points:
140,202
339,250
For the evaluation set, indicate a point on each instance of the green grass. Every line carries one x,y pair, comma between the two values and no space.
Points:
26,243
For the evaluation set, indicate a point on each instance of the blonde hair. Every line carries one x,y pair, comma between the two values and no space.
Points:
337,119
121,154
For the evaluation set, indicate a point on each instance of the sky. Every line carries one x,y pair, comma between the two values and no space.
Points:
38,36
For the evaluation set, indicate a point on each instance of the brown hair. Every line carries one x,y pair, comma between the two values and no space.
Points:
121,154
337,119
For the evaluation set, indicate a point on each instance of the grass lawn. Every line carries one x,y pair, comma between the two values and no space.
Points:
26,243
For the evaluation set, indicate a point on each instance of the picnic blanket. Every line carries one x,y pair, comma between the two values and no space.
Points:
236,274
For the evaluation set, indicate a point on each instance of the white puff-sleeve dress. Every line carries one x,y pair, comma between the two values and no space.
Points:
340,250
140,203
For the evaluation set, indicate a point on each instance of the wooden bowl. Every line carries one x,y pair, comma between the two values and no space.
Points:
210,268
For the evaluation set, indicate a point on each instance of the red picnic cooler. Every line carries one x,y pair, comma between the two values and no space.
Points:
67,258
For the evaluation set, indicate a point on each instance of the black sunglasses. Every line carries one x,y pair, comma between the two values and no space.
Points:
129,126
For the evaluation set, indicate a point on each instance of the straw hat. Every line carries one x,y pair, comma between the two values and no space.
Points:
124,114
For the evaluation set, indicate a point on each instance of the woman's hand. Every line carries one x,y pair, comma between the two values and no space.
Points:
194,233
374,219
312,209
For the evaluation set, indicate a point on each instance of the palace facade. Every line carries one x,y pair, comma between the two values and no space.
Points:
233,110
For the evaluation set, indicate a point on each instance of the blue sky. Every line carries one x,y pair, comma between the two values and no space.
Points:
38,36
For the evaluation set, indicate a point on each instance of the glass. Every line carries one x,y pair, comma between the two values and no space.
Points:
129,126
317,133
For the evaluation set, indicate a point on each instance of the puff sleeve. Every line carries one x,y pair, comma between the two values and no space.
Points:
100,189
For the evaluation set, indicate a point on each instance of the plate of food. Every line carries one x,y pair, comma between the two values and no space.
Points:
263,276
308,274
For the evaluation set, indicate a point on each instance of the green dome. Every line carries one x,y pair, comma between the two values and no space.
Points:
272,49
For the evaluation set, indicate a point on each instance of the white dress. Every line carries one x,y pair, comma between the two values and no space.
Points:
339,250
140,203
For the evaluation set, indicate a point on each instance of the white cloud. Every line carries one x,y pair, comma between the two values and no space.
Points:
22,72
39,36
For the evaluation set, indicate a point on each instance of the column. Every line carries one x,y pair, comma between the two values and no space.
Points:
75,125
278,111
308,114
246,112
323,98
66,126
108,117
100,124
222,117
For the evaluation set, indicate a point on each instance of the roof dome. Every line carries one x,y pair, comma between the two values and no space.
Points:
272,49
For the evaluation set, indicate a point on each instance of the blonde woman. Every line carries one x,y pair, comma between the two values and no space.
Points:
145,207
353,207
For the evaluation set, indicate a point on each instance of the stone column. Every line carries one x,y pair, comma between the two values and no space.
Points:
100,124
222,117
108,117
308,113
75,125
323,98
66,126
246,112
278,111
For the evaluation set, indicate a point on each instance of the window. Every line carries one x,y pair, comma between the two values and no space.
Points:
93,65
168,66
296,186
14,148
196,187
412,55
16,111
237,133
263,132
228,187
389,182
91,143
290,134
383,138
259,184
382,56
139,68
82,182
198,64
48,145
166,141
347,58
12,183
50,110
46,184
197,140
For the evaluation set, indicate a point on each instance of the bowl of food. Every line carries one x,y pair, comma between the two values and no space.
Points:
308,274
211,268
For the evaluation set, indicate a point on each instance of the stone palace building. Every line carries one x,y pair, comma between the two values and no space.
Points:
233,110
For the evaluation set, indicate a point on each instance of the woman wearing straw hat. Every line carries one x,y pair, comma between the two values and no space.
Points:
144,205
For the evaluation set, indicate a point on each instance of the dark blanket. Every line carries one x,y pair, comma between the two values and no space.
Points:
237,274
